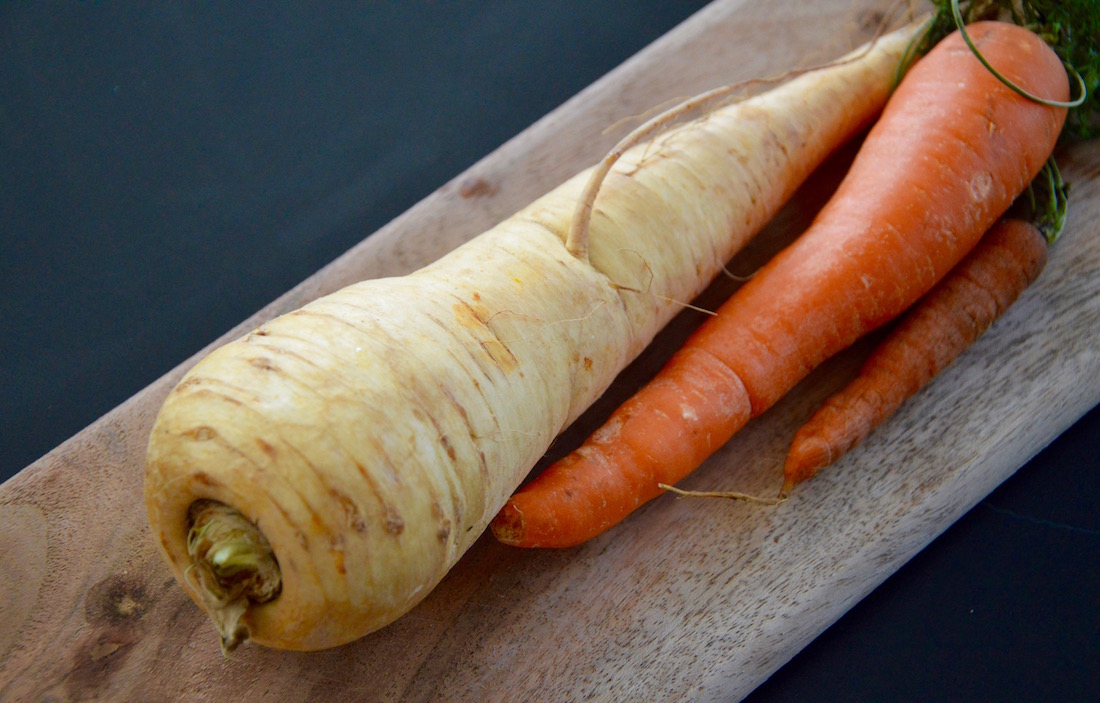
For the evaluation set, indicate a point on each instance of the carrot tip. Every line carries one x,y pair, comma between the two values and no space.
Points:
788,486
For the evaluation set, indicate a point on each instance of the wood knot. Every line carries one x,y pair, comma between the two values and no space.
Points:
117,600
475,187
114,607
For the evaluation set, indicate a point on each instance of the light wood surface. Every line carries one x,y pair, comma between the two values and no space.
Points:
696,599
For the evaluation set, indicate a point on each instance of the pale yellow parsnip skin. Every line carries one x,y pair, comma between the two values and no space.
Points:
374,433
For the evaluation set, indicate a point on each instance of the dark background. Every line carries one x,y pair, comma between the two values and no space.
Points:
166,171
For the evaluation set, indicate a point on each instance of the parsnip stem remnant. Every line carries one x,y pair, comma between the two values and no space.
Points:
234,564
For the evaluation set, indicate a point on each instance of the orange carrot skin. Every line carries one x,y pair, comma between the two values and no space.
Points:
940,328
952,149
663,433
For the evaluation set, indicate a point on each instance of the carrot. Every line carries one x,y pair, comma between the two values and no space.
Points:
313,480
952,149
941,327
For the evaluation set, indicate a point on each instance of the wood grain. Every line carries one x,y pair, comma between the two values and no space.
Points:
696,599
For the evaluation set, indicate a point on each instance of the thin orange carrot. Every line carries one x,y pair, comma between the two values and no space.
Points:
938,329
950,152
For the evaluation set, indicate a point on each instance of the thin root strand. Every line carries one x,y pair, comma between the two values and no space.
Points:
576,241
729,495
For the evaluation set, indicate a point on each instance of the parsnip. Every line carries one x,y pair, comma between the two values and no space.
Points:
371,435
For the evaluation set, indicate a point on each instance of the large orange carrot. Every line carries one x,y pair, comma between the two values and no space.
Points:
950,152
940,328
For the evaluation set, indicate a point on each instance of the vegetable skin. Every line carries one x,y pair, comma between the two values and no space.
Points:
371,435
951,151
940,327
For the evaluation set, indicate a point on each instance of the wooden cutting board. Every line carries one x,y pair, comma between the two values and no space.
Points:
690,598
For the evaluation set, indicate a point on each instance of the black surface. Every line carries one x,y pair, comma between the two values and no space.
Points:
166,171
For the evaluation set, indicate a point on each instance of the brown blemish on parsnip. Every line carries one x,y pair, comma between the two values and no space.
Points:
352,516
202,433
393,524
264,364
501,355
448,447
444,530
475,318
266,448
470,315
